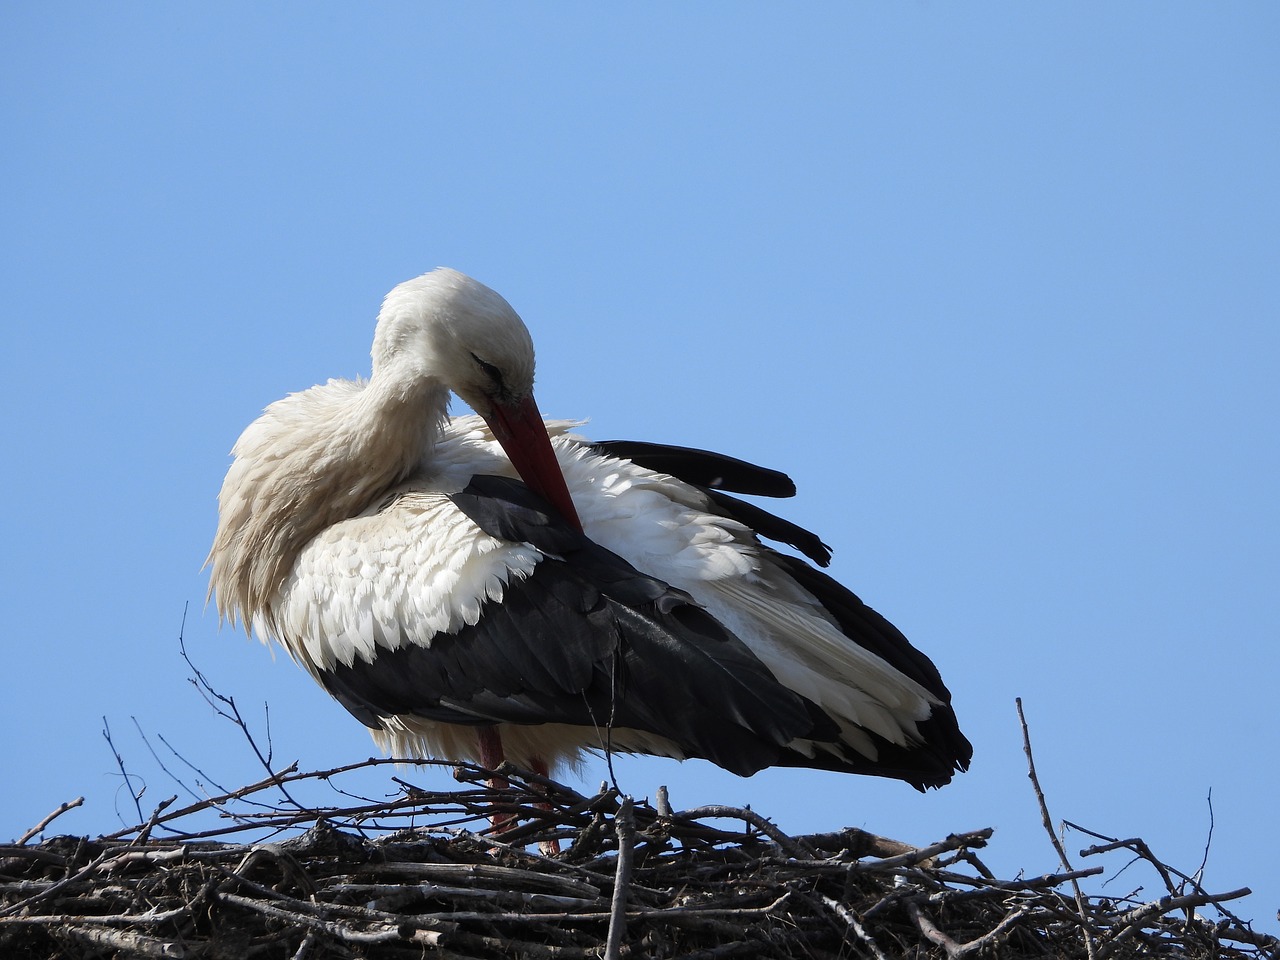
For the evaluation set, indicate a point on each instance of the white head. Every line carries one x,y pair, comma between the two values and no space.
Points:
445,326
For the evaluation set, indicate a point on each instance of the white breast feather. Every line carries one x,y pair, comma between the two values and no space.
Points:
418,568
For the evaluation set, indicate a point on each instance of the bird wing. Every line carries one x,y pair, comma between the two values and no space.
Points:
701,468
715,473
483,606
816,635
464,599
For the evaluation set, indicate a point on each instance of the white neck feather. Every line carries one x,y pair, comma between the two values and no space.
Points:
312,460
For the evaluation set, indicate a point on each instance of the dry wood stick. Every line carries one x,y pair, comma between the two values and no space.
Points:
129,944
956,841
380,933
1134,918
131,919
747,815
39,827
855,925
1048,826
625,826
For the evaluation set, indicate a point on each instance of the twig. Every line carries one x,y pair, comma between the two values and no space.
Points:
146,741
136,796
931,932
956,950
225,706
306,946
1048,826
791,846
211,802
145,833
624,823
1208,842
855,925
859,843
1142,851
39,827
956,841
662,802
1135,845
1133,920
384,933
129,944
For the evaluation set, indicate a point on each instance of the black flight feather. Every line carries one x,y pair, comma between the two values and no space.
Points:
702,468
589,640
586,639
944,742
715,473
945,748
773,527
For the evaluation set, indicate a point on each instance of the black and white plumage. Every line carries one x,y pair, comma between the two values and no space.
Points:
487,586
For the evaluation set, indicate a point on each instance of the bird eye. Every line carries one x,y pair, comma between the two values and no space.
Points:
492,372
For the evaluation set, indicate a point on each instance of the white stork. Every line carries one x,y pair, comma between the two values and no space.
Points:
481,588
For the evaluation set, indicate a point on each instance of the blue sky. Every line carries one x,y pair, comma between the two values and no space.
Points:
995,283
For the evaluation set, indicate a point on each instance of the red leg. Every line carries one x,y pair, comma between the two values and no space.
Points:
549,847
491,757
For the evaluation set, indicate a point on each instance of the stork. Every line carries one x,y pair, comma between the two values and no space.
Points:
497,587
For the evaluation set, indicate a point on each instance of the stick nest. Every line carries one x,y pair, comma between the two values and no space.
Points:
424,874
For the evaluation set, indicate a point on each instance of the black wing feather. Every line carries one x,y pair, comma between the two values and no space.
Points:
945,749
773,527
588,640
702,468
713,474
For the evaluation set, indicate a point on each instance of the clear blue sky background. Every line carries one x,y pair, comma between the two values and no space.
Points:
996,283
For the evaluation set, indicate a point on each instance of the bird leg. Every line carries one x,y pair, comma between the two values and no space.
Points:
491,758
491,753
549,848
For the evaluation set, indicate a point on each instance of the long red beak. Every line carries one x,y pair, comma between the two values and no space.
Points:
520,430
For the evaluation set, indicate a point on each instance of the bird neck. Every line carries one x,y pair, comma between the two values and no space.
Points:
310,461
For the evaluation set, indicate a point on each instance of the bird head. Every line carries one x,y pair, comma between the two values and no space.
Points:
445,326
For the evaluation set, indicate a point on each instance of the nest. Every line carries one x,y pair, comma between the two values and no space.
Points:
466,873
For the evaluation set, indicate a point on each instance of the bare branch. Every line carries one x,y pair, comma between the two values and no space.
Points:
39,827
625,825
135,795
1048,826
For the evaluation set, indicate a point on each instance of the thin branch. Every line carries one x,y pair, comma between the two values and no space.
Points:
135,795
39,827
791,846
1198,875
1048,826
624,823
225,706
161,764
856,926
